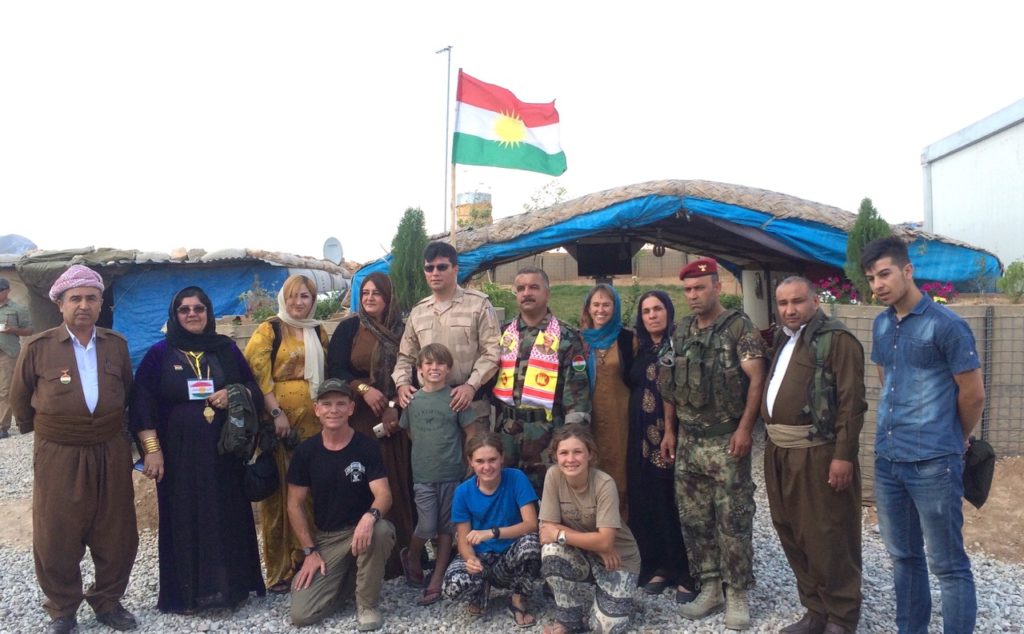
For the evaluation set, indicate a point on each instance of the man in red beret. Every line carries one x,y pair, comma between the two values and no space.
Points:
713,391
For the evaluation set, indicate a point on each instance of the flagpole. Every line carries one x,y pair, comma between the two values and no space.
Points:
447,115
455,219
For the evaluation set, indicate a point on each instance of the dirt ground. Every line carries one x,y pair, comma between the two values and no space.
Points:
997,529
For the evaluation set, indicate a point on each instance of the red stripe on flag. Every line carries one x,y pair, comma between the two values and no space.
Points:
497,99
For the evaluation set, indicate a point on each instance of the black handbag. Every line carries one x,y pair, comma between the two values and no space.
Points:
261,479
979,467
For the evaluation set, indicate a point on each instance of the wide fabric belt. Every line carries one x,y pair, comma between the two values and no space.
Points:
794,436
79,430
711,431
525,414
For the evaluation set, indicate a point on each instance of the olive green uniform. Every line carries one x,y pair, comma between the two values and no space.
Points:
526,432
714,490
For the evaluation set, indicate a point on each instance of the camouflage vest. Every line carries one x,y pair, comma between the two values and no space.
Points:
822,398
707,370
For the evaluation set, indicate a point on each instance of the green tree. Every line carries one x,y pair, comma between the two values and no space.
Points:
868,226
1012,282
407,259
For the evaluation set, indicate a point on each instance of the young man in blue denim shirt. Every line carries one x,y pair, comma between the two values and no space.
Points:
932,397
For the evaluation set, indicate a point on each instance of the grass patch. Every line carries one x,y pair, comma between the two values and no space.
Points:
566,300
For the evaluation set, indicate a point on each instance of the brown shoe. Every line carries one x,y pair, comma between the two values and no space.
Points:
811,623
835,628
118,619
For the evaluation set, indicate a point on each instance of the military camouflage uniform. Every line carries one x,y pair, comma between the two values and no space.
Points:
526,432
468,327
714,491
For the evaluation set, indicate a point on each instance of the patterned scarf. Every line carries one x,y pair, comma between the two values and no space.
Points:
541,377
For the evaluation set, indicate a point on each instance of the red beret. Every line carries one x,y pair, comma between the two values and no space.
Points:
699,268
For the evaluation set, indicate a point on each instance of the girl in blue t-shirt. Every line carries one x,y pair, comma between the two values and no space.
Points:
496,532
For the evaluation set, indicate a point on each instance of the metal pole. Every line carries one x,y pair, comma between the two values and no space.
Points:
447,116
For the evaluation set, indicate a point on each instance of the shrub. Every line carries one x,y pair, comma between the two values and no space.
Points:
731,302
1012,281
327,305
868,226
836,290
407,259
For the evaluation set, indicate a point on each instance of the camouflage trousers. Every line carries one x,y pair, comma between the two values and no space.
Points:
715,495
575,576
526,446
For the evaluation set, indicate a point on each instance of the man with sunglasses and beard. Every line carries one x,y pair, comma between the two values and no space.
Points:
70,385
462,320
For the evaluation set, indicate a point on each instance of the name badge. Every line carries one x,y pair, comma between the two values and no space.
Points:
200,389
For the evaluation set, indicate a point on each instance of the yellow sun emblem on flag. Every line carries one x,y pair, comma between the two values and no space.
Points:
509,129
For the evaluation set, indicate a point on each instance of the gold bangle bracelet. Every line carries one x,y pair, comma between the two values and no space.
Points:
151,445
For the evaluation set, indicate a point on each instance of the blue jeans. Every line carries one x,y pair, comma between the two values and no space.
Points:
921,502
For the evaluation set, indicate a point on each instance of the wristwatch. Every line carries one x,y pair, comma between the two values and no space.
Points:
363,388
496,532
274,413
306,552
375,513
561,538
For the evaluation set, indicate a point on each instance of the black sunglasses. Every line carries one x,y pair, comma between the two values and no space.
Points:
441,268
184,310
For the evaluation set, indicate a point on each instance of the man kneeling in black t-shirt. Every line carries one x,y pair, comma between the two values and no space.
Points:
350,494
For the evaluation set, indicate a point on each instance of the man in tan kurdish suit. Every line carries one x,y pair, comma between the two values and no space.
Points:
70,385
814,409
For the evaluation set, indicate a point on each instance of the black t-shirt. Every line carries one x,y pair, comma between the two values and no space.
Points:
340,480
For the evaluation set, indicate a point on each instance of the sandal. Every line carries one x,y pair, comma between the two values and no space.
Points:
519,616
477,607
428,597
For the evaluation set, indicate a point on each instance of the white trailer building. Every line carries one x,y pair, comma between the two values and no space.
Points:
974,184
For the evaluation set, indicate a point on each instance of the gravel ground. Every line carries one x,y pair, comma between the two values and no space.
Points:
773,601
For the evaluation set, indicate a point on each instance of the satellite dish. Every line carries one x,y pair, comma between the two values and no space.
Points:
332,250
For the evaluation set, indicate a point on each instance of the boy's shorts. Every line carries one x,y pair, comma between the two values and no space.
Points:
434,508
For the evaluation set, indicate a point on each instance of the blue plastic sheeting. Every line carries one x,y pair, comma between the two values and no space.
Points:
142,297
635,212
933,260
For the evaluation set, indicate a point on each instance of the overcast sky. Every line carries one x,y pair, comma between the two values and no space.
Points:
211,124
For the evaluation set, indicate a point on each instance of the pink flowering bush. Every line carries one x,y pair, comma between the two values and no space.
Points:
939,292
836,290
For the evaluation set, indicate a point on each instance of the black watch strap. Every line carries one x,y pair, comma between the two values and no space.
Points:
306,552
496,532
375,513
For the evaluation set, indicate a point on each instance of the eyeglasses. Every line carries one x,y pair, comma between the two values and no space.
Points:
199,310
441,268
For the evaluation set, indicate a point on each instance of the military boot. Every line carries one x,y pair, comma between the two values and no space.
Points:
737,610
709,601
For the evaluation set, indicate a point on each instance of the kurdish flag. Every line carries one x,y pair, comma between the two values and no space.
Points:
494,128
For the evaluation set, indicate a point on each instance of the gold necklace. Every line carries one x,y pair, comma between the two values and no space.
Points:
601,354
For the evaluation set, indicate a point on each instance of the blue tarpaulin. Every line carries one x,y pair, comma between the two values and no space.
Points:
142,296
933,259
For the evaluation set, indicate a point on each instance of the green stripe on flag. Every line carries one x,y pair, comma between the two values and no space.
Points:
473,150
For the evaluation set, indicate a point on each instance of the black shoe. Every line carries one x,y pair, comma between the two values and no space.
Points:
4,434
118,618
657,587
62,625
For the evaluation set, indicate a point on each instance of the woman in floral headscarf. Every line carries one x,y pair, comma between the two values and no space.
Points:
363,352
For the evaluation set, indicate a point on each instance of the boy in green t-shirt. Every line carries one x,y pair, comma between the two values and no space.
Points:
437,465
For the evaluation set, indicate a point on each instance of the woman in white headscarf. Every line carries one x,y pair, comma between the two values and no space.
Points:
286,354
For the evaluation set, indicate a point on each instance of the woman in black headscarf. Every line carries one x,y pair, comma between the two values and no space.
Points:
208,550
654,517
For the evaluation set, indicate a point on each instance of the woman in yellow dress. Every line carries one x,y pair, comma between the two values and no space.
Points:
286,354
